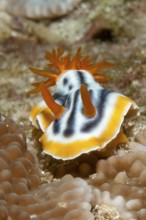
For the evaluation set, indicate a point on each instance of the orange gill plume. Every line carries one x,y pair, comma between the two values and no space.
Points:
88,108
51,81
61,62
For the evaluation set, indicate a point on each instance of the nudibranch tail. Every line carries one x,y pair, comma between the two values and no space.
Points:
81,116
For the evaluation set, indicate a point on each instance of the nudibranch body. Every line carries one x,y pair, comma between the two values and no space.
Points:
81,116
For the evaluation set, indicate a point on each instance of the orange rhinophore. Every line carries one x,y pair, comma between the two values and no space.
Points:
56,109
88,108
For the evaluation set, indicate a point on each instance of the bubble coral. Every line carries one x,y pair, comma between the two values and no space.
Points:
116,191
22,197
37,9
18,173
121,182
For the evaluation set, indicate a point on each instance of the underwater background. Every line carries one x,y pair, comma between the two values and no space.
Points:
97,186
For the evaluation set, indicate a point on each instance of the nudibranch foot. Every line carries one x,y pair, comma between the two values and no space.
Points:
91,134
41,116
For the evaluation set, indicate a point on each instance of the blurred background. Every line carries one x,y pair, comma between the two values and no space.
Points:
112,31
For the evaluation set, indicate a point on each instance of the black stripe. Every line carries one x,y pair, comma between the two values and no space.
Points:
70,122
65,81
100,110
56,127
81,77
61,98
68,102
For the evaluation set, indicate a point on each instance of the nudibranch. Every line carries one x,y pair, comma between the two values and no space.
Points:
81,116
